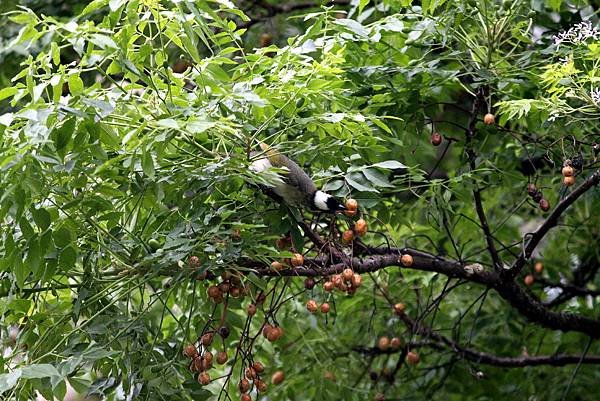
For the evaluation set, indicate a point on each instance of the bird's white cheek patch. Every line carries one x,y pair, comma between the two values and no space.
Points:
260,165
321,200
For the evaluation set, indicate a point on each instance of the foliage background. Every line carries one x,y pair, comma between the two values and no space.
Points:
126,127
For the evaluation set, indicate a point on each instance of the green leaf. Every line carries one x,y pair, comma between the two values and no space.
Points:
362,5
148,164
389,164
42,218
75,84
67,258
9,380
358,181
39,371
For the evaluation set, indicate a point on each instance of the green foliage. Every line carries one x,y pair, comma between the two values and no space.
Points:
115,168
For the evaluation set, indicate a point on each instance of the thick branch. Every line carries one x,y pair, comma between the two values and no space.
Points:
552,220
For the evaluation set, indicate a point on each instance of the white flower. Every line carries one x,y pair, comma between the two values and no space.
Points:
577,34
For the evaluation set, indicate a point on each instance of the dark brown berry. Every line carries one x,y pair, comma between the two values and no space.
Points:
277,377
309,283
223,331
544,205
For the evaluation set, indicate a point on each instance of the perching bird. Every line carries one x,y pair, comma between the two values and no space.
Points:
296,189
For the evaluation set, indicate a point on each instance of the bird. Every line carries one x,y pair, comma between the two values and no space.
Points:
296,188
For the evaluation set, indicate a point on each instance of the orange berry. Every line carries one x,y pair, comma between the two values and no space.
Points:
412,358
350,213
406,260
277,377
325,307
203,378
250,373
260,385
384,343
360,227
277,265
328,286
395,343
356,280
489,119
528,280
297,260
221,357
312,306
348,236
246,397
190,351
568,171
347,274
399,308
258,367
213,291
538,267
244,385
569,180
351,204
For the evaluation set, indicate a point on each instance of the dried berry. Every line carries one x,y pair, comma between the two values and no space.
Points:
309,283
194,262
203,378
277,377
190,351
436,139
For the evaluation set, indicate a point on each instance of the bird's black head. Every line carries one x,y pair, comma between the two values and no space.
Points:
335,205
324,202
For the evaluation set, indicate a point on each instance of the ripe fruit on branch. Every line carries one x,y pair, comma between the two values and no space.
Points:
190,351
569,180
347,274
544,205
258,367
309,283
277,377
260,385
194,262
351,204
412,358
395,343
203,378
538,267
223,331
277,265
325,307
528,280
208,357
207,339
406,260
356,280
297,260
328,286
221,357
360,227
399,308
567,171
436,139
251,310
350,213
244,385
384,343
246,397
213,291
312,306
250,373
348,236
489,119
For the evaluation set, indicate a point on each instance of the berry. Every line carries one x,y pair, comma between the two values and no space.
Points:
277,377
489,119
223,331
244,385
383,344
194,262
221,357
537,196
328,375
395,343
312,306
528,280
406,260
190,351
436,139
297,260
208,357
309,283
356,280
350,213
266,329
567,171
213,292
277,265
347,274
531,189
246,397
203,378
283,243
351,204
348,236
250,373
569,180
379,397
260,385
544,205
258,367
538,267
360,227
207,339
251,310
412,358
328,286
325,307
399,308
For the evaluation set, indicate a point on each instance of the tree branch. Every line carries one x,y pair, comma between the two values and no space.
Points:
552,220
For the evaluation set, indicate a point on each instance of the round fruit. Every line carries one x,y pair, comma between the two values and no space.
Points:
260,385
347,274
395,343
258,367
244,385
224,287
350,213
336,280
154,244
489,119
569,180
277,265
250,373
223,331
538,267
436,139
325,307
246,397
312,306
277,377
190,351
537,196
356,280
406,260
196,365
309,283
544,205
205,364
203,378
412,358
360,227
528,280
399,308
297,260
274,333
351,204
567,171
328,286
221,357
207,339
194,262
531,189
208,357
251,310
348,236
266,330
383,344
213,291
